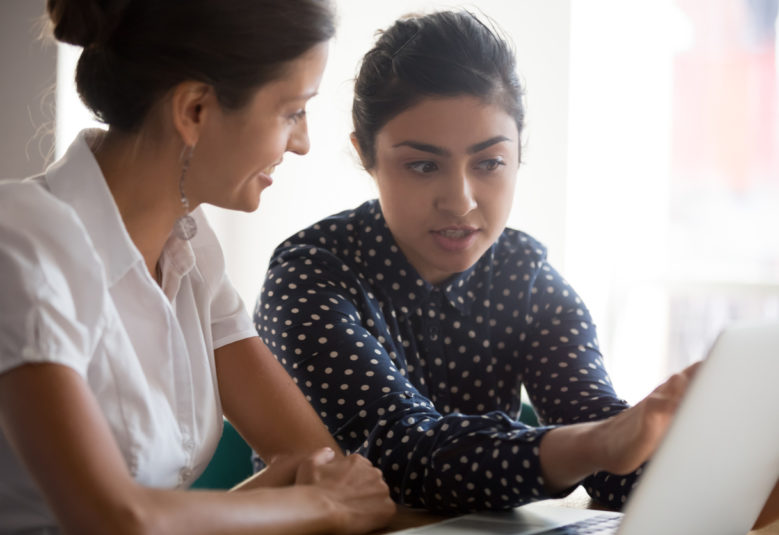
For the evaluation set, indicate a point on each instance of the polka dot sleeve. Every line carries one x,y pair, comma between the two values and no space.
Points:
563,370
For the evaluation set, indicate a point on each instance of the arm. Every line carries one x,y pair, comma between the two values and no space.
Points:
90,490
566,379
256,395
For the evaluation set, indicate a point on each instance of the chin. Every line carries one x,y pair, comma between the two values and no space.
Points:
248,202
458,265
251,206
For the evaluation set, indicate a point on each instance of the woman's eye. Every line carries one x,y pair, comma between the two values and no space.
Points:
490,165
297,116
422,167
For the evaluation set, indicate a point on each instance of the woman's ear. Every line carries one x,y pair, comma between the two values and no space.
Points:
190,105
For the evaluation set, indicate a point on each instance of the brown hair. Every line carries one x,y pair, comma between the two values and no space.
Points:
136,50
446,53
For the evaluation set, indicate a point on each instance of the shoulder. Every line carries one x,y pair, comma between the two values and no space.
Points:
329,240
517,245
52,278
333,229
35,223
20,196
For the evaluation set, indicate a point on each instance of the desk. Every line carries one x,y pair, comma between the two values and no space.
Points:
409,518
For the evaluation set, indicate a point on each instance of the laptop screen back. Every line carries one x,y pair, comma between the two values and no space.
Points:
720,458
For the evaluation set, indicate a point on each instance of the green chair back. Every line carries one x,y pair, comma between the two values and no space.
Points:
230,464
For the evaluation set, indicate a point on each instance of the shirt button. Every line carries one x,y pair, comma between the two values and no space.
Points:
433,332
189,445
185,473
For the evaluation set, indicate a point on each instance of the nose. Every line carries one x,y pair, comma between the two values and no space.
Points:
298,141
456,196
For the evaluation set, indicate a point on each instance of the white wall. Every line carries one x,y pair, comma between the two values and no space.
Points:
27,78
617,191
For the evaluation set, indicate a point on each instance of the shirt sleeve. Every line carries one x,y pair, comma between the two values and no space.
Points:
230,320
564,373
312,318
52,287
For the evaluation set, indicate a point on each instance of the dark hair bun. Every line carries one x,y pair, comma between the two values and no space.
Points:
84,22
137,50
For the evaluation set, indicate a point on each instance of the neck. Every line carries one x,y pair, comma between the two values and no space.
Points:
142,175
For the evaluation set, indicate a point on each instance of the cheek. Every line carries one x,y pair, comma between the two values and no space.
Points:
499,199
265,138
405,204
505,193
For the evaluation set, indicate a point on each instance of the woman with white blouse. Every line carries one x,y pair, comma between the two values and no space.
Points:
122,343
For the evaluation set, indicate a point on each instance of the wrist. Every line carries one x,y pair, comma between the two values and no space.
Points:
570,453
331,517
597,443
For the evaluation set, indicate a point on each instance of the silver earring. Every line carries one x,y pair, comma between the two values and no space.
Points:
185,227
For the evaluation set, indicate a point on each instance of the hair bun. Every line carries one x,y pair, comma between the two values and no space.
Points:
84,22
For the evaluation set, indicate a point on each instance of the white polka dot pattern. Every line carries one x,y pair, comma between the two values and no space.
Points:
424,380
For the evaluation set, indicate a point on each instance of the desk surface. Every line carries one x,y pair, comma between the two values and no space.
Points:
409,518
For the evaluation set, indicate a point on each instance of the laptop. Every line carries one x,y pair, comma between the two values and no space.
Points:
712,472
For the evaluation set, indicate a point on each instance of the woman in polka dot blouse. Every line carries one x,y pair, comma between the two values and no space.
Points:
411,322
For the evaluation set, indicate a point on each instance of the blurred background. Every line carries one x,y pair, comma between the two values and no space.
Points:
651,157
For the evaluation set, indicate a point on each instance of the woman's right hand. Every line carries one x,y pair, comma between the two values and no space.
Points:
353,486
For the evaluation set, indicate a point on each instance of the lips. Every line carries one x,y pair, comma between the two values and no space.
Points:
265,178
455,233
455,238
265,174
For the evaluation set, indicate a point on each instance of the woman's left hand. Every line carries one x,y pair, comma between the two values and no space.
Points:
631,437
619,444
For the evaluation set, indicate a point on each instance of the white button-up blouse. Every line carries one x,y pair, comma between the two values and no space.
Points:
74,290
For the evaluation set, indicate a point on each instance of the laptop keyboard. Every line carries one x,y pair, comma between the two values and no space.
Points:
597,525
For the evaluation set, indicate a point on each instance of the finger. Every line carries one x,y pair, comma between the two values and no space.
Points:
322,456
676,385
310,470
279,457
690,371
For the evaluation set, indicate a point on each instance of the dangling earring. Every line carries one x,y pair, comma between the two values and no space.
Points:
185,227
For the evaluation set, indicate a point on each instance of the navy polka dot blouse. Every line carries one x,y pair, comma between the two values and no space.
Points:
425,380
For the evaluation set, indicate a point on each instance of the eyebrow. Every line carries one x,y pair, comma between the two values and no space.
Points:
478,147
303,96
440,151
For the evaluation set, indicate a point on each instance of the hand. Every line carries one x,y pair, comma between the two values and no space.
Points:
354,487
632,436
280,471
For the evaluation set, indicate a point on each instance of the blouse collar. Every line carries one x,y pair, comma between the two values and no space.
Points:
409,290
76,179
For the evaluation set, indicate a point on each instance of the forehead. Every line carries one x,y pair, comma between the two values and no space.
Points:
454,123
